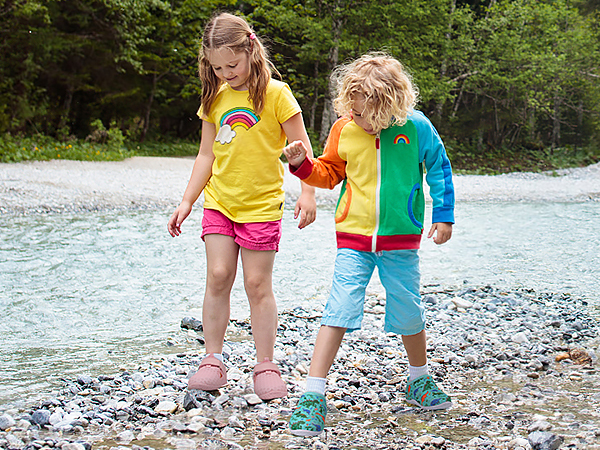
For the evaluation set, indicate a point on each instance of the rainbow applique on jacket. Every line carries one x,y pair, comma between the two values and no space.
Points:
401,139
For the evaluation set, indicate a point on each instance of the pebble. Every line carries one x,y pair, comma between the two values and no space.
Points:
504,367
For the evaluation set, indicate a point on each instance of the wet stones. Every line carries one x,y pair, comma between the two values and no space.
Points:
500,355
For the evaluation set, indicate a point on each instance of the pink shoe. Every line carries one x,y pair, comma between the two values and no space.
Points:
267,381
211,375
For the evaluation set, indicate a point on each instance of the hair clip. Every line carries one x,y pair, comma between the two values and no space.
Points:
252,36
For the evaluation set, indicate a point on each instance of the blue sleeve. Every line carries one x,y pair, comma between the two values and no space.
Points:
439,171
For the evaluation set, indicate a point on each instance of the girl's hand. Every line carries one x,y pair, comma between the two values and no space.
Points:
295,153
443,231
180,214
306,208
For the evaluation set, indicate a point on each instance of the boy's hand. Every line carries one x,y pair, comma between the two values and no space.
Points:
442,231
295,153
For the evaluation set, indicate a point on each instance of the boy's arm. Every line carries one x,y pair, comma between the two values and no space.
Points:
439,172
327,170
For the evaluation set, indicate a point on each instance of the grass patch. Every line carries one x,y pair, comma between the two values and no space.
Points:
496,162
464,160
167,148
44,148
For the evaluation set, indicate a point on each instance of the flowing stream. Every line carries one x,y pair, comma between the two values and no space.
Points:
90,293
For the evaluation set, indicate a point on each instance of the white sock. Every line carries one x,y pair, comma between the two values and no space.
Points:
219,356
416,372
315,384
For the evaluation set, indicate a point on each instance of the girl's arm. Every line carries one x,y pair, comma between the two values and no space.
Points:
200,175
306,206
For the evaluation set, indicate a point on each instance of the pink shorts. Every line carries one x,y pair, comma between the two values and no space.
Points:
253,236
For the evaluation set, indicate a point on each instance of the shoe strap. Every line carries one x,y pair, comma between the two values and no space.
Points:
212,362
266,366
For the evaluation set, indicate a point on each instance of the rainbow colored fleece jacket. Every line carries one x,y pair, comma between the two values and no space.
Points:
382,204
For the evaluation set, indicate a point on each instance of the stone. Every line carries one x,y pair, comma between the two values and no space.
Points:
166,406
542,440
190,323
252,399
462,303
6,422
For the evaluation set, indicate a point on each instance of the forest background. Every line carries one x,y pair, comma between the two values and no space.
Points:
510,84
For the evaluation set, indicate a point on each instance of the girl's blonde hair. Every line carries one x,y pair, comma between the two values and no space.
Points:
234,33
387,88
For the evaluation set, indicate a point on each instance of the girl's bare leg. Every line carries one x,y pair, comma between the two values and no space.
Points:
327,344
258,282
221,266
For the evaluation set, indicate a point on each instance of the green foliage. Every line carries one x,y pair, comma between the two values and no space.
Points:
493,75
172,147
504,160
44,148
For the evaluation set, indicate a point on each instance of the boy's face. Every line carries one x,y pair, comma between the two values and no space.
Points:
357,109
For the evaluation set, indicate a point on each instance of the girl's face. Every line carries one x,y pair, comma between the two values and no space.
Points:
357,109
233,68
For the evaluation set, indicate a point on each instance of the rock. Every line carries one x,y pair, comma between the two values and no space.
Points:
424,439
190,401
190,323
541,440
85,380
519,443
14,443
438,441
580,356
6,422
252,399
166,406
539,425
520,338
125,437
461,303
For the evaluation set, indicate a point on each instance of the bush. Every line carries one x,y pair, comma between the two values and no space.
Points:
44,148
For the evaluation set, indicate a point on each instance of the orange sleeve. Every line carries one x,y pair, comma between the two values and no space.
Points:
329,169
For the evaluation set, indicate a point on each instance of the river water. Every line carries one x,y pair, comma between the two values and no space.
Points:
90,293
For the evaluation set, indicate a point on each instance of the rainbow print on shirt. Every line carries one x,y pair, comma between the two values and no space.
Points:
401,139
235,118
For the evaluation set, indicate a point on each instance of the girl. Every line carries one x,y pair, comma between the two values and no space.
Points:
378,148
246,117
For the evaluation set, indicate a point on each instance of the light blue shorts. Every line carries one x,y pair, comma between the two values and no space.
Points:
399,275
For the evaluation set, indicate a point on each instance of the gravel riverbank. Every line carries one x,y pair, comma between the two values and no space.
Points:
521,367
147,182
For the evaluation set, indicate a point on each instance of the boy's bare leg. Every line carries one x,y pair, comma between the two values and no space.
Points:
416,348
327,344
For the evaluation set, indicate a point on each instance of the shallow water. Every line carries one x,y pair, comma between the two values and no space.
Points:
90,293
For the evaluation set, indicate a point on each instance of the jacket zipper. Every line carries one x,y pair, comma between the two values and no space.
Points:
377,193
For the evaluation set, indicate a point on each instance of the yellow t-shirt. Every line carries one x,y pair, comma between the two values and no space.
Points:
247,175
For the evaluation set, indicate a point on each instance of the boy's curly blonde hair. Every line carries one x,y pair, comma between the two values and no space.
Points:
387,88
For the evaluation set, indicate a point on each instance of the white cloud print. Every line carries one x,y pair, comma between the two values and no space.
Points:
225,134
